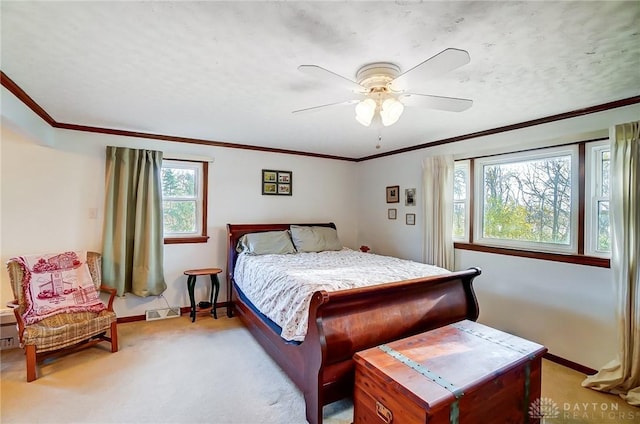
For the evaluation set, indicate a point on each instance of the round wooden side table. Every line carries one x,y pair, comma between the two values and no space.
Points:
215,288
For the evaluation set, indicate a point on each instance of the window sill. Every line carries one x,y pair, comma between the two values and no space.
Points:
556,257
182,240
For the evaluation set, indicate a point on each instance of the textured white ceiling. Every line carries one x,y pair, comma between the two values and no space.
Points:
227,71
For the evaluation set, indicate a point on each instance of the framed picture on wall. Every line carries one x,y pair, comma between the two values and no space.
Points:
410,197
284,177
393,194
277,182
284,189
269,176
410,219
269,188
392,213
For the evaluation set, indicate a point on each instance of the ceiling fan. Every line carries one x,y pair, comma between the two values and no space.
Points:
382,87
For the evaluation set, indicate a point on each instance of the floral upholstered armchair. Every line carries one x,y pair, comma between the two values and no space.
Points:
57,305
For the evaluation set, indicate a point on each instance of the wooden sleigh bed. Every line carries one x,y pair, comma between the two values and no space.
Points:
344,322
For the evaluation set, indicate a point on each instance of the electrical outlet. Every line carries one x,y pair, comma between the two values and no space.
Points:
163,313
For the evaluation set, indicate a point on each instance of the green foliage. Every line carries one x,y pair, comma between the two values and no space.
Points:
458,219
178,182
179,205
529,201
179,216
506,221
604,231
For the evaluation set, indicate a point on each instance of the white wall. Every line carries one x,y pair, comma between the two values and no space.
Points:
567,307
49,188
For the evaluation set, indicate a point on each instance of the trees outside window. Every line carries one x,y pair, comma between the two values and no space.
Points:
461,201
183,199
597,211
529,201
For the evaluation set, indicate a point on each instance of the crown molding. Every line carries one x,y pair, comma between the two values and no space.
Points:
10,85
565,115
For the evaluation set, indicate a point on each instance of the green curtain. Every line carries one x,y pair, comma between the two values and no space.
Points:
132,242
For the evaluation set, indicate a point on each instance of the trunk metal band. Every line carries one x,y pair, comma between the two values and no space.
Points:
491,339
527,369
439,380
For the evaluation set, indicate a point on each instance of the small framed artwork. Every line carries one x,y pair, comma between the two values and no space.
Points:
277,182
410,219
393,194
269,176
284,188
269,188
392,213
284,177
410,197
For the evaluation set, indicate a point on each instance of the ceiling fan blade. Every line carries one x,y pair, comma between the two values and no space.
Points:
451,104
331,77
316,108
445,61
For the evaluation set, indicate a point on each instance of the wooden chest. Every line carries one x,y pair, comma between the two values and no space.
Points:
462,373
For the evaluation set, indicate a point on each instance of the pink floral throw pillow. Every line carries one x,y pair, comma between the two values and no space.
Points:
56,283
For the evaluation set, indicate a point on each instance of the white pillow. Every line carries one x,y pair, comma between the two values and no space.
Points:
315,239
265,243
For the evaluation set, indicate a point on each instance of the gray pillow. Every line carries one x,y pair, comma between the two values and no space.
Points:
269,242
315,239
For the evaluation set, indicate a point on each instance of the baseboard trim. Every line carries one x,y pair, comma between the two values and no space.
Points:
133,318
569,364
184,310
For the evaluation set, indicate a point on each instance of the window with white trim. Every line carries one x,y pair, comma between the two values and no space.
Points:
183,199
528,200
598,234
461,201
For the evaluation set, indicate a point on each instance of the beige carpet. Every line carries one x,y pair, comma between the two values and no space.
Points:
211,371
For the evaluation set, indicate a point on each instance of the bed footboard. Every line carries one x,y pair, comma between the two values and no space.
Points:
344,322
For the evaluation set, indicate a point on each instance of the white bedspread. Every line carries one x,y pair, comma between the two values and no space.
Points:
281,286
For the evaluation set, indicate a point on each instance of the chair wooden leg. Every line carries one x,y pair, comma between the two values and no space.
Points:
114,337
31,362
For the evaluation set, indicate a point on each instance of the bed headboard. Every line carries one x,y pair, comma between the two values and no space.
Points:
235,231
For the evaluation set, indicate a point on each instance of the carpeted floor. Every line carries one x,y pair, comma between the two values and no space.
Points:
211,371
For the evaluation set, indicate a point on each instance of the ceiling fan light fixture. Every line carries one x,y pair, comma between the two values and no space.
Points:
365,111
390,111
382,83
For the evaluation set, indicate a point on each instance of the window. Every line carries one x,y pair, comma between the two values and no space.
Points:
537,203
184,201
461,201
598,241
528,200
